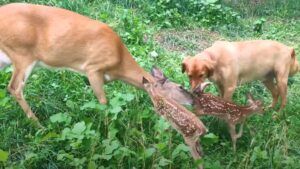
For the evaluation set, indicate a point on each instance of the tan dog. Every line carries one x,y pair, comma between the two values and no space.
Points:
231,63
36,34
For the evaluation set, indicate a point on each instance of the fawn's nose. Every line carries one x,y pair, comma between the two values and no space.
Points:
195,83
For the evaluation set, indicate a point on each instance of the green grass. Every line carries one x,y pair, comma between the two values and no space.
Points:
127,133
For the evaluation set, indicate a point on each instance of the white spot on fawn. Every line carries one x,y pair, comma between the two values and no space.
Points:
107,77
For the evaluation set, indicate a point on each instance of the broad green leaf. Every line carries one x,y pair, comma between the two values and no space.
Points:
106,157
128,97
56,118
264,155
115,101
4,101
126,152
60,117
2,93
79,128
161,146
3,155
61,157
92,165
116,109
96,157
49,136
93,105
209,139
65,133
211,1
70,104
164,162
163,124
113,146
149,152
89,105
112,133
30,155
180,148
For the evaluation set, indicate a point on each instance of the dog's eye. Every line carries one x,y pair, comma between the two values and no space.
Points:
201,75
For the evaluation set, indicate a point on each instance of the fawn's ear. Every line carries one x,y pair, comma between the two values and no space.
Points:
157,73
200,88
204,85
145,81
197,89
250,98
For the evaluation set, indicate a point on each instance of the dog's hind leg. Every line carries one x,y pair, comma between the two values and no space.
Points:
282,79
269,83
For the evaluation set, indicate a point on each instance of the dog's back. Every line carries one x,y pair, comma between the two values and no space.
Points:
255,59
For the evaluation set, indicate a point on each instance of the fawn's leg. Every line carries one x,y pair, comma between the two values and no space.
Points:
96,79
17,82
233,136
196,149
240,133
274,90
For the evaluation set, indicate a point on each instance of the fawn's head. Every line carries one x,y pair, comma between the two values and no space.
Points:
256,105
163,86
200,88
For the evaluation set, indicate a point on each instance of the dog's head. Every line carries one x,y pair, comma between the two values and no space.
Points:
197,68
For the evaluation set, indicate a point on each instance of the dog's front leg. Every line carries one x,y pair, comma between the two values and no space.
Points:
228,91
221,89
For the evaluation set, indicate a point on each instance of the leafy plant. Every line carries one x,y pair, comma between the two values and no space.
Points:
258,25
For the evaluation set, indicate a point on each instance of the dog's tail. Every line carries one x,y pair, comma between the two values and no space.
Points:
294,68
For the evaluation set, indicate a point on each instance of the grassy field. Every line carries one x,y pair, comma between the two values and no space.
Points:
127,133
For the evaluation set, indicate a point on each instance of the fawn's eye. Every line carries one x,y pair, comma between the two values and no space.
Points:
201,75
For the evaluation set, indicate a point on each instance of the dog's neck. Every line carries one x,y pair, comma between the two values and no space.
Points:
209,55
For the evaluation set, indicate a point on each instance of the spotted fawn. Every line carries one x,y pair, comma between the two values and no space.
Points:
208,104
184,121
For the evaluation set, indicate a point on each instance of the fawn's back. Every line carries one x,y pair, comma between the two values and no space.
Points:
208,104
180,118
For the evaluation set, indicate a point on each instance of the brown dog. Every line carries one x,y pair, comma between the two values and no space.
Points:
231,63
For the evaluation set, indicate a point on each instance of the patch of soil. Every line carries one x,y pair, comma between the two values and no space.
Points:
187,41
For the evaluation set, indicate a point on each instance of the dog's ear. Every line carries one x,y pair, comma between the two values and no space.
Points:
184,65
209,69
